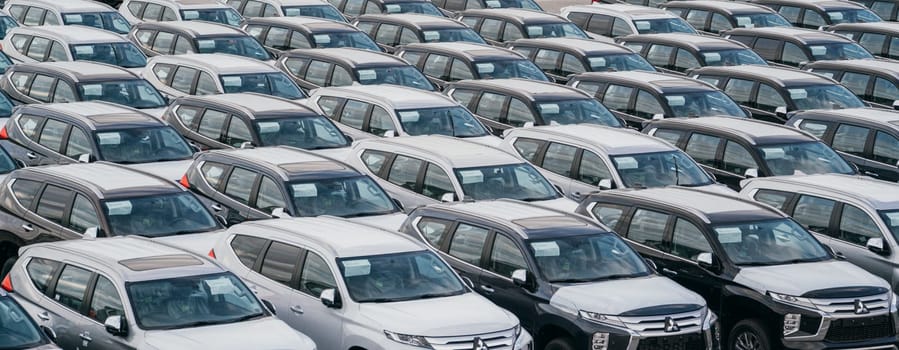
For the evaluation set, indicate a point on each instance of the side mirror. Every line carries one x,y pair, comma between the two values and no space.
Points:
271,307
658,116
707,261
246,144
877,246
751,172
747,111
280,213
651,264
390,133
528,125
468,282
399,204
222,220
781,112
605,184
349,139
520,277
896,104
49,332
448,197
330,298
90,232
84,158
116,325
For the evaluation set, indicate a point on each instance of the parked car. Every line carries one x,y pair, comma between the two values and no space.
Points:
210,74
71,43
680,53
876,37
471,61
616,20
20,330
353,286
6,23
794,47
353,8
287,8
736,149
573,283
504,104
420,170
185,37
816,14
453,6
7,163
135,293
498,26
714,17
772,283
280,34
875,82
29,83
250,119
772,93
885,9
137,11
391,31
69,12
867,137
559,58
640,96
315,68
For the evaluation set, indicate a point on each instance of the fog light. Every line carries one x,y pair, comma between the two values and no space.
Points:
791,323
600,341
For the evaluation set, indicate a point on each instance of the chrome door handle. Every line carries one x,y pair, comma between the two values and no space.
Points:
297,309
86,336
27,227
871,173
44,316
216,207
668,271
487,289
31,155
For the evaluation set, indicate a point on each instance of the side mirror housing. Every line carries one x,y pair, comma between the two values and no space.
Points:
246,144
390,133
330,298
658,116
896,104
49,332
751,173
707,261
877,246
781,112
605,184
84,158
524,279
280,213
448,197
651,263
116,326
271,307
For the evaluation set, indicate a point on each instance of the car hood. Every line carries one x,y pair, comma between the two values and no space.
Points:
199,243
618,296
268,333
561,203
439,317
798,279
390,222
488,140
170,170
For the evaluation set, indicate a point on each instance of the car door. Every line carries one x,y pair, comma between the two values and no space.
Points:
815,214
64,304
326,323
399,175
705,149
852,141
463,248
275,278
852,229
105,301
504,256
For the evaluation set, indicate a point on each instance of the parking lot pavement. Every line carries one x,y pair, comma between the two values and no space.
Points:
553,6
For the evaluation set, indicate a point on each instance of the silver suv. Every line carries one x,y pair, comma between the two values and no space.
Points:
134,293
353,286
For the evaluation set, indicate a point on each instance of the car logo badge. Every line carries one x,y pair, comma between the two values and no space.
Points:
860,308
479,344
670,325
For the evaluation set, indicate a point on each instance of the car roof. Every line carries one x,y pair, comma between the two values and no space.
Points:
73,34
395,96
804,35
697,42
528,220
876,115
254,105
424,22
633,11
535,90
455,152
105,179
133,258
350,56
67,5
582,46
79,71
873,26
711,207
733,7
821,4
298,2
755,131
874,66
312,24
612,141
657,80
194,4
783,76
293,164
878,194
471,51
518,14
98,115
217,62
195,28
338,237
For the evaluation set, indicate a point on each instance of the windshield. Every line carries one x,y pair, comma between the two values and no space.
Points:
513,181
555,30
118,54
5,62
586,258
660,169
6,23
732,58
760,20
450,121
344,197
157,216
320,11
524,4
310,132
399,277
663,25
6,163
110,20
771,242
703,104
5,106
509,69
452,35
423,7
236,45
803,158
356,40
400,75
142,145
824,97
136,93
17,331
852,16
619,63
891,218
193,301
226,16
587,111
839,51
276,84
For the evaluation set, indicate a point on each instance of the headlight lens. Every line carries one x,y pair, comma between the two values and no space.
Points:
600,318
414,340
789,299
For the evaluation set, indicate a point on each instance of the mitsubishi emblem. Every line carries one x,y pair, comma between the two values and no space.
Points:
860,308
670,325
479,344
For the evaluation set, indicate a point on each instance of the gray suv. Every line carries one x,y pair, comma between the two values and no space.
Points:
134,293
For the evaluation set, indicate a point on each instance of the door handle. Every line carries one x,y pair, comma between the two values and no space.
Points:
216,207
86,336
31,155
44,316
487,289
668,271
576,195
871,173
27,227
297,309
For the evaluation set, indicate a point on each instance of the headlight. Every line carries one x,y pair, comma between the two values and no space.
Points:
414,340
600,318
789,299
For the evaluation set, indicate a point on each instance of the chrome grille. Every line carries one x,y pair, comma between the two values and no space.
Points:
875,304
654,326
502,340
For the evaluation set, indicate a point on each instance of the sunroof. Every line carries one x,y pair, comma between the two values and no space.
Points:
161,262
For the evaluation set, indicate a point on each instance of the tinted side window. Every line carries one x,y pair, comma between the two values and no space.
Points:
269,196
768,99
404,172
463,96
467,243
83,215
600,24
280,262
593,169
856,226
790,13
163,42
737,159
52,133
490,105
559,158
792,54
740,90
329,105
240,185
608,214
814,212
317,73
856,82
528,148
648,227
767,48
814,127
885,91
618,97
436,183
775,199
490,28
688,241
105,301
40,87
434,230
719,23
886,148
25,191
212,123
353,114
71,286
436,65
387,34
247,249
646,105
659,55
703,148
850,139
519,113
672,136
206,85
238,132
41,271
162,72
812,19
374,160
697,18
183,79
547,60
316,276
872,42
505,257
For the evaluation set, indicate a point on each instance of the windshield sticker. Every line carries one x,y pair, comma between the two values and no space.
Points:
642,25
712,56
322,39
535,31
109,138
409,117
675,101
471,176
118,208
231,81
624,163
189,15
544,249
84,50
798,94
549,108
219,286
773,153
205,44
818,50
485,68
597,61
368,74
393,8
304,190
268,127
74,18
729,235
360,267
92,89
431,35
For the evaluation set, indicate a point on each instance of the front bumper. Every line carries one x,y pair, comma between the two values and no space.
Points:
706,337
820,329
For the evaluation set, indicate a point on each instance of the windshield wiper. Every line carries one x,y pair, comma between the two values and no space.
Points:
535,199
759,263
439,295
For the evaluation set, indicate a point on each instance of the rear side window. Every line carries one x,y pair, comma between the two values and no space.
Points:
775,199
162,72
183,79
404,172
467,243
528,148
52,134
816,128
71,286
648,227
703,148
434,230
374,160
41,271
240,185
247,249
281,260
608,214
672,136
25,191
213,173
886,148
53,203
814,212
850,139
559,158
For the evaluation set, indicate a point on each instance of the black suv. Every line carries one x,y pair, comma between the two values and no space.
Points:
640,96
876,82
886,9
867,137
446,62
679,53
774,285
815,14
390,31
878,37
508,103
573,284
561,57
279,34
52,203
352,8
501,25
713,17
770,93
793,47
735,149
315,68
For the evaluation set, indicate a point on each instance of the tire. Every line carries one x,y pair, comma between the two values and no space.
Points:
559,344
749,335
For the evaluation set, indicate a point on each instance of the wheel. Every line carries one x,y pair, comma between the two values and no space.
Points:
559,344
749,335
